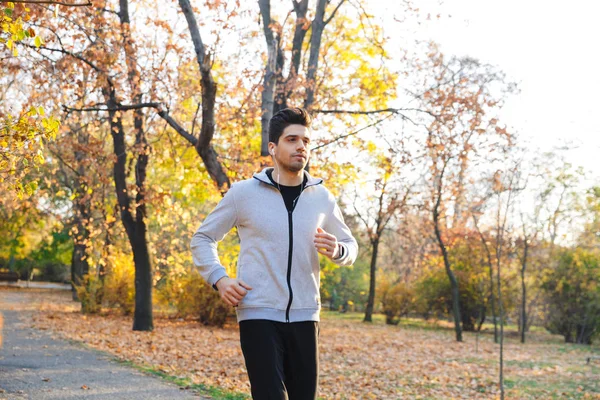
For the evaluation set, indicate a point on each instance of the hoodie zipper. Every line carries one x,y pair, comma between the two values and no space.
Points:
291,245
289,268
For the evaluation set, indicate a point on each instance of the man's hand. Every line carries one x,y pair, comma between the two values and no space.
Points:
232,291
327,244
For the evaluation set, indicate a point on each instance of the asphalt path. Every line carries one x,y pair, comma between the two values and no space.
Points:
33,365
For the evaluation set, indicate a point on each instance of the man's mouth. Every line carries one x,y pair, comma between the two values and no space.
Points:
300,156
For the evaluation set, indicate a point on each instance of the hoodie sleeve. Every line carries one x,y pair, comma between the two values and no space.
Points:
214,228
334,224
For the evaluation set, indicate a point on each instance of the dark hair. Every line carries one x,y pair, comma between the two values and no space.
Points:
286,117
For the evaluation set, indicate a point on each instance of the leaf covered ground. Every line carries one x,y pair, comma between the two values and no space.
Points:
415,360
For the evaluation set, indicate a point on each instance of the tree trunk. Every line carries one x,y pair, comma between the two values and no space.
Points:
481,318
270,79
135,229
449,272
523,319
371,300
142,318
203,145
501,311
317,26
285,90
493,301
79,263
79,266
491,276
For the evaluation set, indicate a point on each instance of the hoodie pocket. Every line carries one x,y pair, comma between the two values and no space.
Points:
260,295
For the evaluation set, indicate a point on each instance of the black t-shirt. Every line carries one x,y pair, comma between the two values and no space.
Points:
289,193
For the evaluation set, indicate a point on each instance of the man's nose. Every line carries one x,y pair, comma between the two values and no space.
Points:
301,145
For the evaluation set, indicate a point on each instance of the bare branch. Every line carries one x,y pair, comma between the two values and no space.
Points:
334,11
48,2
120,107
164,114
195,116
392,110
63,51
351,134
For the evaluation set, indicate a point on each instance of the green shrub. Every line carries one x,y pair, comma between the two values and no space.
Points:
89,293
53,271
573,293
119,284
193,297
397,301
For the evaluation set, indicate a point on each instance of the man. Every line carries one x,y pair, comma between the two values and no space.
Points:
284,217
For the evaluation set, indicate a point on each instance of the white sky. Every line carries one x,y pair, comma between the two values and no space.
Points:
550,48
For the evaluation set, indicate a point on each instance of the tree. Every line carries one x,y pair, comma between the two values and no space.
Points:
574,295
22,136
461,95
389,196
277,90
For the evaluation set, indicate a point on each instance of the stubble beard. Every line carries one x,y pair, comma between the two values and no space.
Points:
296,166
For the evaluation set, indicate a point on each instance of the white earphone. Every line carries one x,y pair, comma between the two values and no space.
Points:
272,151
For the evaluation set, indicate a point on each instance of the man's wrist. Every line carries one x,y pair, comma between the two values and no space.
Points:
218,280
340,253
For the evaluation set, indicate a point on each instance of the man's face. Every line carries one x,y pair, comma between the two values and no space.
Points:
292,151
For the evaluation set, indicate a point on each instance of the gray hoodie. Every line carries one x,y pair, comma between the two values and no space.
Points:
277,256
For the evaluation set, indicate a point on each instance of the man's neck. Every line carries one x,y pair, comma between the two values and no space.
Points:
287,178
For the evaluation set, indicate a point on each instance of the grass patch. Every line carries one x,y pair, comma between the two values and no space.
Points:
563,389
379,319
213,391
529,364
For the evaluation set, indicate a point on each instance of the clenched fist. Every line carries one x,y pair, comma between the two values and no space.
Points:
232,291
327,244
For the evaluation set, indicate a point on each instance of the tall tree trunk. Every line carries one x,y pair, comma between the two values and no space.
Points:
499,248
209,93
135,228
491,276
449,272
287,86
523,324
371,300
79,263
270,79
142,318
317,26
501,310
493,301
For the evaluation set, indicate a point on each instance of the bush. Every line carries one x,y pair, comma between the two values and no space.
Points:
573,292
397,301
89,293
434,295
119,285
53,271
25,268
115,289
193,297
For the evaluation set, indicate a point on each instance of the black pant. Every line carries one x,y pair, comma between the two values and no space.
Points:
282,359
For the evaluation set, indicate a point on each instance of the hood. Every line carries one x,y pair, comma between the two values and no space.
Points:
262,176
